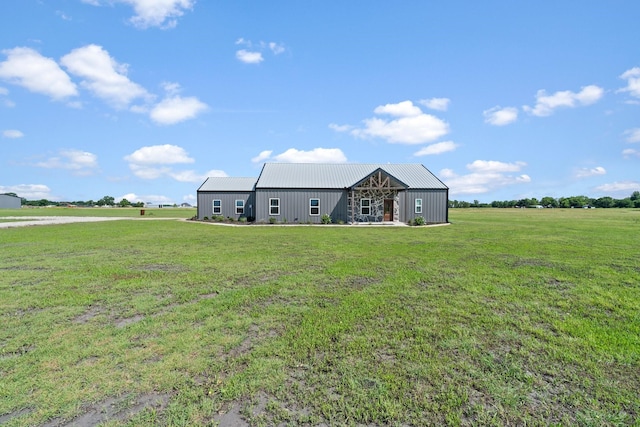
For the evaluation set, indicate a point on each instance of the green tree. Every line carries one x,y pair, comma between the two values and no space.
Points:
548,201
604,202
106,200
624,203
124,203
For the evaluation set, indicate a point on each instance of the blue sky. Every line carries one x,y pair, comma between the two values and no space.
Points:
143,99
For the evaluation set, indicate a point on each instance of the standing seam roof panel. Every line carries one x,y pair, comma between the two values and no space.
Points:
227,183
314,175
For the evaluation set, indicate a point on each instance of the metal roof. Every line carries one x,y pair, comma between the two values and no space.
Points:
342,175
227,183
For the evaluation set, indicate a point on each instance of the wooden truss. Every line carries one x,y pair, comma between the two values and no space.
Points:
377,182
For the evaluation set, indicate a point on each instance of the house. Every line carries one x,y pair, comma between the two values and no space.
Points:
8,201
349,193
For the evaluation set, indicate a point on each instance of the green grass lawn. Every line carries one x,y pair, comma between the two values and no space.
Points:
110,212
505,317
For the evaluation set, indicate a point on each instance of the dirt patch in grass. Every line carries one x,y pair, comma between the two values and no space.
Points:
163,267
254,336
262,409
531,262
559,284
114,409
23,268
208,296
17,353
11,415
122,322
231,417
360,282
92,312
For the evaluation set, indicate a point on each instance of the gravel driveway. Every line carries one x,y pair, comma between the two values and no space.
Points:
26,221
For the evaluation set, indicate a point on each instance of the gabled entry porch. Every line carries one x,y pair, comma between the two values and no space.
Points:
375,198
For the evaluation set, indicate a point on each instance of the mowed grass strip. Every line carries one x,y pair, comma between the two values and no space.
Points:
504,317
128,212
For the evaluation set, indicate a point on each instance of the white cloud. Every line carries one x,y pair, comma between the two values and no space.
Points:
155,172
619,187
439,104
632,76
547,104
158,13
159,154
485,176
171,88
632,135
104,77
149,172
340,128
493,166
192,176
12,133
630,152
63,15
28,191
28,68
153,162
78,161
150,199
264,155
276,48
176,109
438,148
249,57
401,109
317,155
5,101
253,54
153,13
411,126
587,172
132,197
499,116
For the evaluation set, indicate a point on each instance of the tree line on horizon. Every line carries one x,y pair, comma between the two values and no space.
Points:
633,201
105,201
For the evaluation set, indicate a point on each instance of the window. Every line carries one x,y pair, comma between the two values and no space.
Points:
217,207
274,206
239,207
365,207
418,205
314,206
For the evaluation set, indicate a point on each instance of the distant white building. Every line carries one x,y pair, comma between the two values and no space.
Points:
10,202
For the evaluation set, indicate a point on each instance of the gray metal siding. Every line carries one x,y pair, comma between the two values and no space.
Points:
294,205
228,202
434,205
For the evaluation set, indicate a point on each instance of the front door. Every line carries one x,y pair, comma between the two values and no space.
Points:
388,209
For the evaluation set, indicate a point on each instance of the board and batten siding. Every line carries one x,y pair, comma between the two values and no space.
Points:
228,204
434,205
294,205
